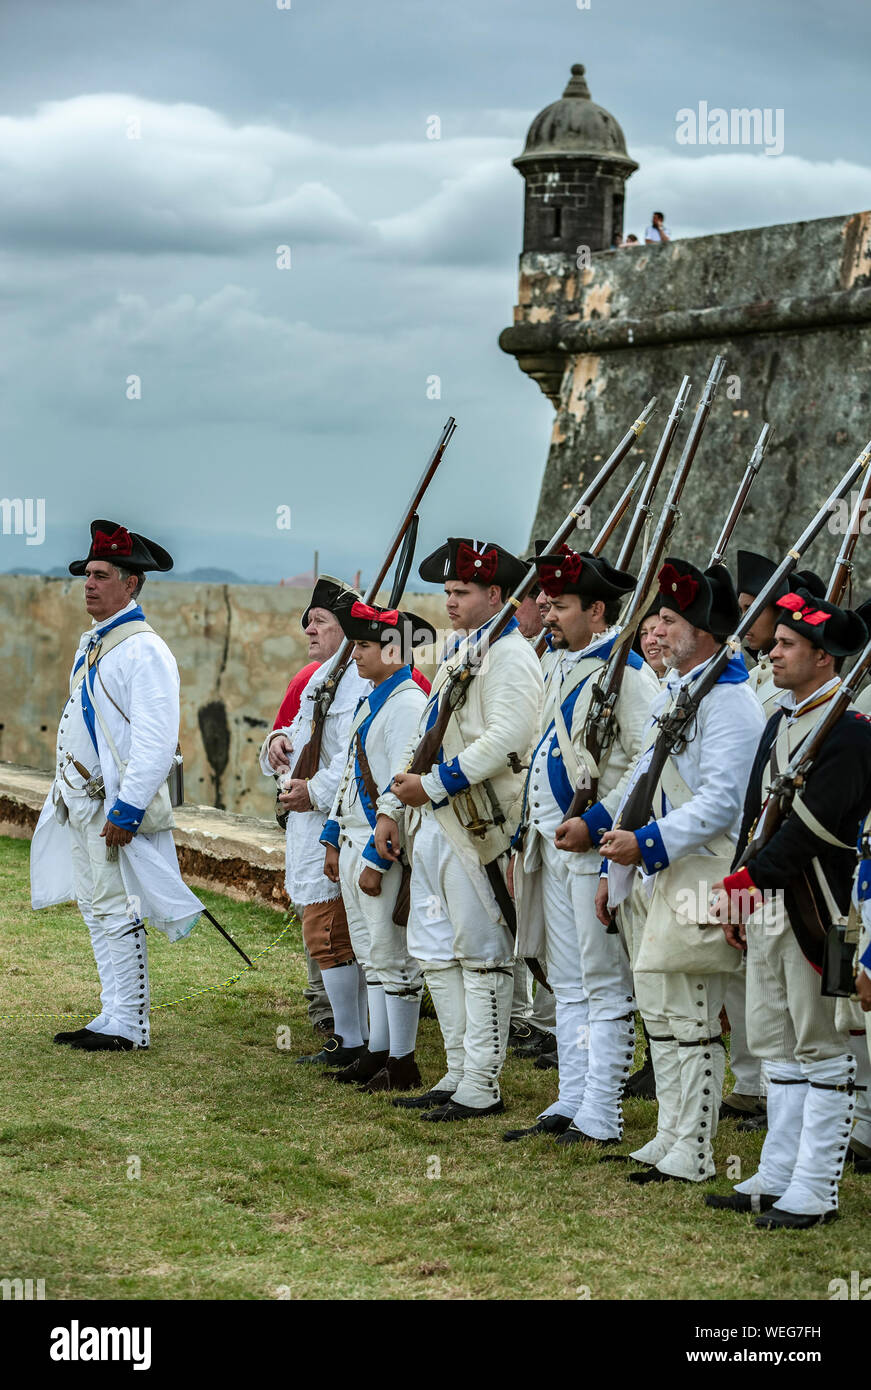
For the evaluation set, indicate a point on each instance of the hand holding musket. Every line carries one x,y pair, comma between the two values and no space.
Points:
454,693
310,757
674,725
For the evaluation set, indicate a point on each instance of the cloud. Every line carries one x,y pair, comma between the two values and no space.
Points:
722,192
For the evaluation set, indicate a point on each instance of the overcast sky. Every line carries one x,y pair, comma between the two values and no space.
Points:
259,127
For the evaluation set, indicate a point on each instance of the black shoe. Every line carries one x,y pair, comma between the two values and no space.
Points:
520,1034
454,1111
738,1106
573,1135
539,1042
642,1083
740,1201
653,1175
793,1220
424,1102
548,1124
624,1158
546,1061
333,1054
72,1037
752,1124
855,1157
862,1165
106,1042
362,1070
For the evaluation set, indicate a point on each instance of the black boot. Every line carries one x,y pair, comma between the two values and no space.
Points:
366,1065
333,1054
397,1074
454,1111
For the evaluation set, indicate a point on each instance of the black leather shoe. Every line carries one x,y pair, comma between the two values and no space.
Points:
861,1165
424,1102
533,1046
573,1135
72,1037
520,1034
362,1070
106,1042
548,1124
740,1201
653,1175
333,1054
624,1158
546,1061
642,1083
793,1220
453,1111
751,1124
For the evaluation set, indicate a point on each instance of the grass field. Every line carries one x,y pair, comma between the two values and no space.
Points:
259,1179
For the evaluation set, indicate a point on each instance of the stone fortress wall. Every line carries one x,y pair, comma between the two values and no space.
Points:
237,646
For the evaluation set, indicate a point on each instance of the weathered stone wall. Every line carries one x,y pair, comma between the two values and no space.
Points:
789,306
237,647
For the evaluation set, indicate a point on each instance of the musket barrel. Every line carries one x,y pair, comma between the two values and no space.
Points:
737,507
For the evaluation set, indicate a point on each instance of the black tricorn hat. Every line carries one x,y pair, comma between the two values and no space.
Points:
725,612
123,548
332,594
363,622
838,631
580,572
687,591
473,562
755,570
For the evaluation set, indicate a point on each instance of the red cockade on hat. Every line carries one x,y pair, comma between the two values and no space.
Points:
554,577
680,587
799,609
476,564
388,616
119,543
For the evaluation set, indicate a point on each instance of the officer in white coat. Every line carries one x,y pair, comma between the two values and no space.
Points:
384,727
104,835
556,869
466,812
696,815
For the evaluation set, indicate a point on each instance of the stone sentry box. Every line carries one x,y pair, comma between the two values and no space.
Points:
790,308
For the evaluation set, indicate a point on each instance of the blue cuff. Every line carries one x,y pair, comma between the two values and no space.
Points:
452,777
330,834
125,816
597,822
371,855
653,853
863,881
603,869
866,959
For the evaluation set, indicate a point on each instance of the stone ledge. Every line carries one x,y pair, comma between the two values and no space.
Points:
242,856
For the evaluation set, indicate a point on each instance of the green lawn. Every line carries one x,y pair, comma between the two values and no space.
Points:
259,1179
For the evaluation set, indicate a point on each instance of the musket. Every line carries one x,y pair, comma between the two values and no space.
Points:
610,526
599,727
453,694
643,511
310,757
842,574
674,726
737,507
807,915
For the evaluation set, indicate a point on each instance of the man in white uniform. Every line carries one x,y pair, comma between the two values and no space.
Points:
556,868
696,814
467,809
104,835
324,923
384,727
